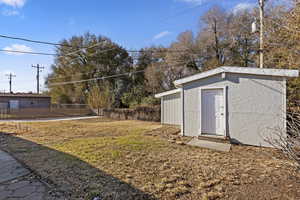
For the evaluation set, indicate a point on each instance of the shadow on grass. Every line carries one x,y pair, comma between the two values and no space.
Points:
76,178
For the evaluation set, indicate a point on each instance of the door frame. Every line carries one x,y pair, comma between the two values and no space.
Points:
225,107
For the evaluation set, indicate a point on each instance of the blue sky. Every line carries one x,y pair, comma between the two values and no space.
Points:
132,24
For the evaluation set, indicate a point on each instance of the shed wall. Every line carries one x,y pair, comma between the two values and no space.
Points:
171,109
255,106
28,102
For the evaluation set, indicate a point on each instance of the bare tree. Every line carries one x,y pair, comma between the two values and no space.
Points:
242,49
182,52
283,43
216,32
288,141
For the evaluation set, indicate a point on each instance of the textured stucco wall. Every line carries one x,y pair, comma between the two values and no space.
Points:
255,106
171,109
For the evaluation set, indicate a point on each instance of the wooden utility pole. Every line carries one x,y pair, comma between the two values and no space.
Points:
261,37
10,76
38,70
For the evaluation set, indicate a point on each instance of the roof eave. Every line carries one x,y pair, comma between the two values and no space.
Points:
255,71
160,95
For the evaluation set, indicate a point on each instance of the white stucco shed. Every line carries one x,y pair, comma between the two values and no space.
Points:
242,104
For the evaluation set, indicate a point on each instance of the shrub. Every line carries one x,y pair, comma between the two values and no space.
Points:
100,97
139,113
288,143
150,101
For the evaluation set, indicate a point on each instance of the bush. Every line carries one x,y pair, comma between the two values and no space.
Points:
134,96
100,97
288,143
150,101
139,113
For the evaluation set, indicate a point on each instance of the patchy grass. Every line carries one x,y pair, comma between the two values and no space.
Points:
144,160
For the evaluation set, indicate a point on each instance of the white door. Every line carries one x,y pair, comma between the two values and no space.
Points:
212,111
14,104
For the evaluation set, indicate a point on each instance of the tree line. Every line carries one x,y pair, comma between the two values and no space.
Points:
224,38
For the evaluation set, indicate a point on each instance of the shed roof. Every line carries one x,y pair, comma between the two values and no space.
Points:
167,93
239,70
24,95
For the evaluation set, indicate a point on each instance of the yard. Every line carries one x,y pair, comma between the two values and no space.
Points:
144,160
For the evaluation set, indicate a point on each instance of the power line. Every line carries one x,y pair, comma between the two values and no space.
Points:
45,42
68,54
76,51
35,41
94,79
77,74
105,50
91,79
71,53
48,43
79,50
97,78
28,52
52,54
51,43
87,73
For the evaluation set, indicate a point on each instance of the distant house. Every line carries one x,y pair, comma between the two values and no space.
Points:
243,104
24,100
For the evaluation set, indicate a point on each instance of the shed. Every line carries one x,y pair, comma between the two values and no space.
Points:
243,104
24,100
170,107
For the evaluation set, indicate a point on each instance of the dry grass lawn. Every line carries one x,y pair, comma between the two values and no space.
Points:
144,160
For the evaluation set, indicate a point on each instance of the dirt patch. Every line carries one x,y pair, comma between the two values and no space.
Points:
144,160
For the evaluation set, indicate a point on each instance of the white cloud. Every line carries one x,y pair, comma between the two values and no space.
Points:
161,35
14,3
17,47
10,13
197,2
242,6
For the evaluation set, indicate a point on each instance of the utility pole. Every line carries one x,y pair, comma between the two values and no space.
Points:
261,37
10,76
38,70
